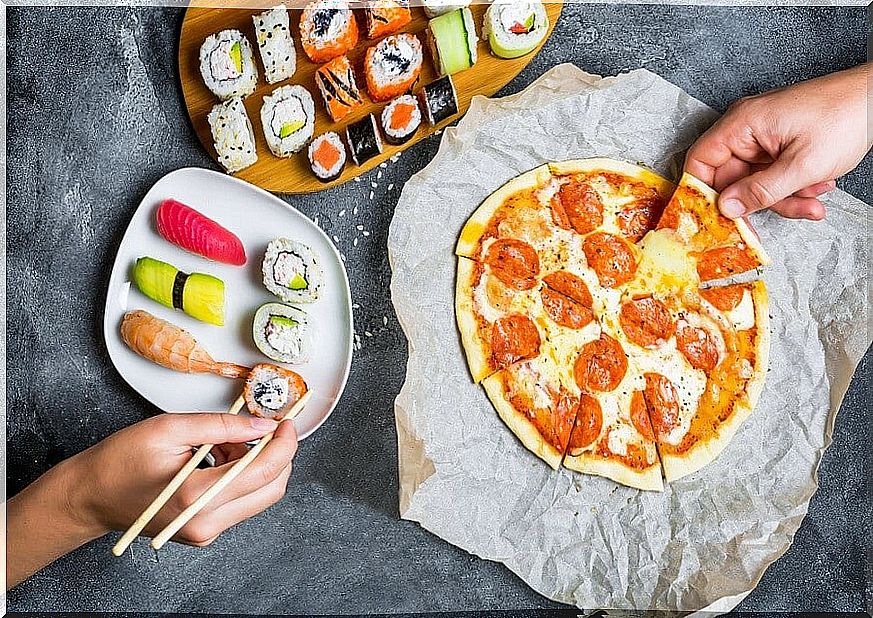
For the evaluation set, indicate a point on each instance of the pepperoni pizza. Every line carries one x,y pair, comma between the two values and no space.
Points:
581,311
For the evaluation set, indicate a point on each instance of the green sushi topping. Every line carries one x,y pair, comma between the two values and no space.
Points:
289,128
529,22
298,283
281,320
236,56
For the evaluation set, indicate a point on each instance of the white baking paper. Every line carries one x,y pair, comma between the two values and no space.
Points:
581,539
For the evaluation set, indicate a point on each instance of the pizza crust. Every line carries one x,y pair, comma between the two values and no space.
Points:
648,479
519,424
703,453
478,351
745,230
642,174
471,233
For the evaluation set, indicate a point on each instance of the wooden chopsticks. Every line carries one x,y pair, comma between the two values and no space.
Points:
185,516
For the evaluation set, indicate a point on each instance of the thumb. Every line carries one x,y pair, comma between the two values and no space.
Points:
217,428
765,188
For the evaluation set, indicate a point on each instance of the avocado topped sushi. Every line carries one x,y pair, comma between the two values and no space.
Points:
199,295
292,272
282,333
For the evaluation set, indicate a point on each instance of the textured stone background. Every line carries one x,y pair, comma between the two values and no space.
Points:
95,116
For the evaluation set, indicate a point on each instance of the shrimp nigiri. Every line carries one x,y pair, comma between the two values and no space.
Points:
168,345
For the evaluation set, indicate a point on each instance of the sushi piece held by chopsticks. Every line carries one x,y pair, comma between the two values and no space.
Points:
169,346
271,391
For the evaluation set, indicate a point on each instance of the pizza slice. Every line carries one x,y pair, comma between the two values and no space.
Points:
720,247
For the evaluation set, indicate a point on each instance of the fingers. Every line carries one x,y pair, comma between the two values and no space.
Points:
765,188
817,189
224,453
214,428
265,469
800,208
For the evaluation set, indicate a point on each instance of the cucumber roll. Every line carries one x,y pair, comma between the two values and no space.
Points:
292,272
288,116
199,295
452,40
227,65
282,333
514,29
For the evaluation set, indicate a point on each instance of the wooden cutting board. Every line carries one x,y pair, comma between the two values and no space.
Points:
293,175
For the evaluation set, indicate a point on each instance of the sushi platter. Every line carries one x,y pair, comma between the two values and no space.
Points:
304,96
215,276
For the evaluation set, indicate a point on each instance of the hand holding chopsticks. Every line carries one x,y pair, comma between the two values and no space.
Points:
180,479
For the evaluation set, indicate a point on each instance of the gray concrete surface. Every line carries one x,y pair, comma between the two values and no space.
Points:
95,116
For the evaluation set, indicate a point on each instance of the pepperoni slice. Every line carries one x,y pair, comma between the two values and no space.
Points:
589,422
567,300
698,347
639,414
514,338
724,298
514,262
553,423
610,257
577,206
646,322
723,262
636,220
601,365
662,402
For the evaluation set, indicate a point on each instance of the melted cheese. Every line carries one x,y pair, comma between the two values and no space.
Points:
743,315
664,267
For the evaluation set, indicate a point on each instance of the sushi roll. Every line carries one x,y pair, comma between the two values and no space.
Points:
434,8
439,100
232,135
282,333
271,391
386,17
227,65
514,29
288,117
292,272
327,29
195,232
363,139
199,295
452,40
401,119
327,156
336,82
275,44
392,66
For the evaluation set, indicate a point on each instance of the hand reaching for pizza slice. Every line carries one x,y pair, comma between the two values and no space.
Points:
785,148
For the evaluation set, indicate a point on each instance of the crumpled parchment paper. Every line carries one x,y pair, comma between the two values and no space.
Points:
705,541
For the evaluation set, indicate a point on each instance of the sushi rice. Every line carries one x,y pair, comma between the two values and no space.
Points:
232,135
292,272
327,29
327,156
392,66
401,119
227,65
282,333
288,118
275,44
514,29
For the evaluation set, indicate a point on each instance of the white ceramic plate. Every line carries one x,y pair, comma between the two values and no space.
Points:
256,217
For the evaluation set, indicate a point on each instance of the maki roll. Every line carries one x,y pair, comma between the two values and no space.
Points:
433,8
282,333
336,82
232,135
271,391
228,65
288,116
327,29
363,139
392,66
199,295
514,29
386,17
292,272
439,100
275,44
452,40
401,119
327,156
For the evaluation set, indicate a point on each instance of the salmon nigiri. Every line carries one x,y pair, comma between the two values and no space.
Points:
197,233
